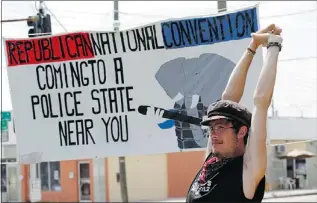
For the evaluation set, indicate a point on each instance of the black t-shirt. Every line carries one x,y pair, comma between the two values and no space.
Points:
223,183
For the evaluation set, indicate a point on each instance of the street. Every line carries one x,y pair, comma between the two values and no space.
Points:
305,198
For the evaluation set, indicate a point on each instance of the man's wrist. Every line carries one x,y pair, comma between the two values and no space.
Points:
253,46
252,49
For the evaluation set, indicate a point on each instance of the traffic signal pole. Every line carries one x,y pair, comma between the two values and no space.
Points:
16,20
40,26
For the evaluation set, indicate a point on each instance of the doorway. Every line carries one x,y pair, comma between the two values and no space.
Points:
12,183
9,182
84,181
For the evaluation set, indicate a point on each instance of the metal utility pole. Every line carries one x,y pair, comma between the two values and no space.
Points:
122,171
222,6
18,20
40,23
116,23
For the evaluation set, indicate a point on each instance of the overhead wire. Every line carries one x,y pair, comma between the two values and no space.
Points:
263,17
297,58
33,8
86,13
55,17
290,14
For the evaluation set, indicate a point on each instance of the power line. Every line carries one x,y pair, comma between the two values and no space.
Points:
298,58
31,5
272,16
297,105
74,17
144,15
35,5
55,17
85,13
290,14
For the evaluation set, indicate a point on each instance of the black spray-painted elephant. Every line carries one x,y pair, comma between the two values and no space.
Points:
194,84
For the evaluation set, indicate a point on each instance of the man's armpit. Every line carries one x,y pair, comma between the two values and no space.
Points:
246,160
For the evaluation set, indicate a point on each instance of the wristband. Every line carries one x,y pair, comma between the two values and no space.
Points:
274,44
275,41
251,51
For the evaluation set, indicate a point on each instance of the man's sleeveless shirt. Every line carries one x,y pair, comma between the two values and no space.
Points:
222,182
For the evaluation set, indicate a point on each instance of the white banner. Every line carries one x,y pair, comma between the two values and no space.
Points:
94,94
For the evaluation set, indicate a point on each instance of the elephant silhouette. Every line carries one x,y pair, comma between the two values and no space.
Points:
195,83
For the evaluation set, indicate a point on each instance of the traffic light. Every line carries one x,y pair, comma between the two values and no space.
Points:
46,26
34,23
40,25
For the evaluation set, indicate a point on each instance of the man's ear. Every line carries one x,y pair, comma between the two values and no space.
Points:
242,132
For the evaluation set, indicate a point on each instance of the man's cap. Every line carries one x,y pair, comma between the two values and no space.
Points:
225,109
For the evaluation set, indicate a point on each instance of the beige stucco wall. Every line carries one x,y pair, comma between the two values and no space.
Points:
311,166
145,174
113,185
299,146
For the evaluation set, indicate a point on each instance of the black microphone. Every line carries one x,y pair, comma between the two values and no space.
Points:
172,115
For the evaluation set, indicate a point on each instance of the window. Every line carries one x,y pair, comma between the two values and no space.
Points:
84,170
49,174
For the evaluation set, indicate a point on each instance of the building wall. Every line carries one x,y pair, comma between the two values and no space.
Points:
311,166
145,174
24,171
311,163
69,186
113,186
154,177
182,167
278,166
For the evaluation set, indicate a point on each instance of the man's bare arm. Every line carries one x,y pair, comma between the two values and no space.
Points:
235,86
255,155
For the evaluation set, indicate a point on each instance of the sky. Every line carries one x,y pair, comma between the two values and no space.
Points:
295,92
